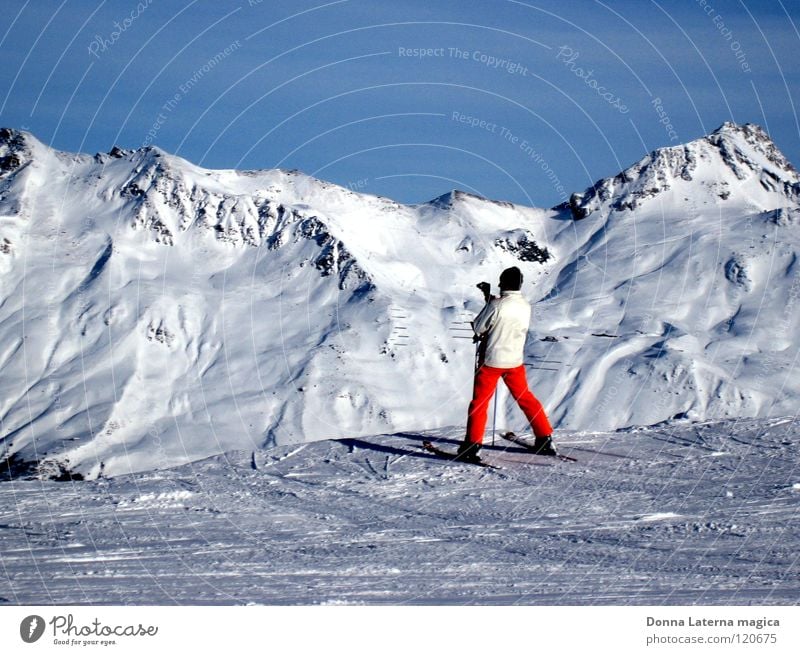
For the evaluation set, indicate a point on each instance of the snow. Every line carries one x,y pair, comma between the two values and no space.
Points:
645,517
154,313
659,516
215,385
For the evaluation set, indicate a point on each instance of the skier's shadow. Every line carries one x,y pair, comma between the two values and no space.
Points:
362,444
410,450
500,445
416,436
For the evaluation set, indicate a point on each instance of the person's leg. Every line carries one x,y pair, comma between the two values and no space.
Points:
517,384
485,382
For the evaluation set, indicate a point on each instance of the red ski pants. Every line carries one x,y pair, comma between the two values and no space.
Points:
486,379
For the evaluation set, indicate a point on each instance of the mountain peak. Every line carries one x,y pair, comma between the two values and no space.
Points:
9,135
446,200
730,127
19,140
14,149
449,199
748,142
734,162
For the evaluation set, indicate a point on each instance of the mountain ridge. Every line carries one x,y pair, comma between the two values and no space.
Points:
654,173
154,312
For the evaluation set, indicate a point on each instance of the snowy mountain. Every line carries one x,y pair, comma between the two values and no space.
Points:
153,312
738,161
680,291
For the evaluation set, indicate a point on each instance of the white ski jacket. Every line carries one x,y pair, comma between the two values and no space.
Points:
504,323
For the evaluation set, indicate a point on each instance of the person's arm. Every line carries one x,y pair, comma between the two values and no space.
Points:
486,290
484,321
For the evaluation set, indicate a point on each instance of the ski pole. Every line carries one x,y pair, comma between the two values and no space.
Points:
486,289
494,417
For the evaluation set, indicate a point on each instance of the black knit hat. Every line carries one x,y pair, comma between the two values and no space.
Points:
511,279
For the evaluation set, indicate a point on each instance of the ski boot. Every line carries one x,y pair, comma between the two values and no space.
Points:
544,446
468,452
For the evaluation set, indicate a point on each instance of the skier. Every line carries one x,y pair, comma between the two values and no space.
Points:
502,327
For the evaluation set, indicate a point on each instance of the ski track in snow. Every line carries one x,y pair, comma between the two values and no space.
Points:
678,514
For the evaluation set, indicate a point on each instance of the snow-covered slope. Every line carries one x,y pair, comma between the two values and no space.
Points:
153,312
698,514
685,264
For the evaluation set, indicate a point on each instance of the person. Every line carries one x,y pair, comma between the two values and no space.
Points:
502,327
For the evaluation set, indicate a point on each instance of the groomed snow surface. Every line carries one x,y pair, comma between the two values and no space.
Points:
686,513
154,313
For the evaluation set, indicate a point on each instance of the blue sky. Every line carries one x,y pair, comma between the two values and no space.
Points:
519,100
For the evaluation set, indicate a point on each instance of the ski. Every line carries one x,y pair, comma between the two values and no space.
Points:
444,454
510,436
